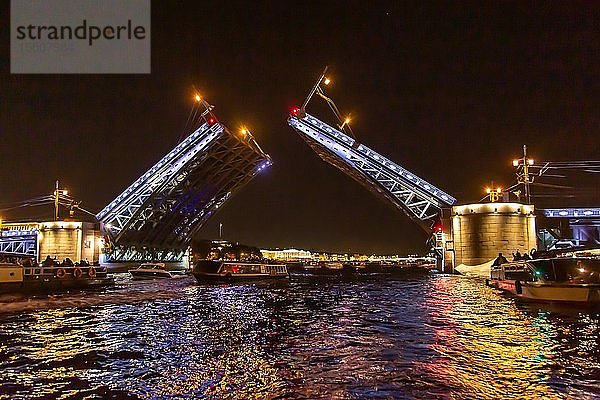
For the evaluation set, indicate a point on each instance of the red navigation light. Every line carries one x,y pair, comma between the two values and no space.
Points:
439,228
295,111
211,120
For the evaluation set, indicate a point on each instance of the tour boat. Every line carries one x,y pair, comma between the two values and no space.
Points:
152,271
552,279
18,278
205,270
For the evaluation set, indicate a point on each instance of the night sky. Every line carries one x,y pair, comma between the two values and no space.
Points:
450,91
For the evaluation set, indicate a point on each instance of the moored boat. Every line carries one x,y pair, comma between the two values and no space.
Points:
35,278
153,271
554,279
206,270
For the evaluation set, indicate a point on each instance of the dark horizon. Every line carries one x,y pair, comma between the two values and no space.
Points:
450,91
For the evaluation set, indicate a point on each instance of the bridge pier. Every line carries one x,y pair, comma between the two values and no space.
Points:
474,234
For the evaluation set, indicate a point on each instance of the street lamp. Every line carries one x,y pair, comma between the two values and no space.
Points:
493,194
57,193
346,122
523,177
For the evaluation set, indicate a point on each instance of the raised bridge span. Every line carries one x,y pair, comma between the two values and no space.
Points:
418,199
157,216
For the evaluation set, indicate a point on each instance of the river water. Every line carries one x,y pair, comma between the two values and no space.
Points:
439,337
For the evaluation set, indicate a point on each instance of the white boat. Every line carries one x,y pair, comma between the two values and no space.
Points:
153,271
553,279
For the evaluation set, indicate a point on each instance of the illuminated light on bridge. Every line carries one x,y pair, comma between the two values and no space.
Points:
264,165
572,212
157,216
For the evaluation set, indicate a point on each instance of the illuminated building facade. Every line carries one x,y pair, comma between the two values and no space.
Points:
287,255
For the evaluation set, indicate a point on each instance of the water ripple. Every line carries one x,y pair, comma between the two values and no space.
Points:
442,337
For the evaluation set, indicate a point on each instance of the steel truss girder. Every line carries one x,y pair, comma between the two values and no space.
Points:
123,210
572,212
418,199
133,254
157,216
24,244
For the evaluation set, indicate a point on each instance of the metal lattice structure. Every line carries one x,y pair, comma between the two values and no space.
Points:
572,212
22,243
157,216
418,199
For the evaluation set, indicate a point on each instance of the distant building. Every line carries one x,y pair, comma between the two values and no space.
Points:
287,255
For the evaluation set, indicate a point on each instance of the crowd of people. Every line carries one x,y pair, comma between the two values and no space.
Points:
516,257
48,262
520,257
67,262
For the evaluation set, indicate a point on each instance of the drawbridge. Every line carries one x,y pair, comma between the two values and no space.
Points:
421,201
157,216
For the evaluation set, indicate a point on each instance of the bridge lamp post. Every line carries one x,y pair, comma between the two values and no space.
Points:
493,194
208,108
316,88
245,133
523,178
57,193
346,122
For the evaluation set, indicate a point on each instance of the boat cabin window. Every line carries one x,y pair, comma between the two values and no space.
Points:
518,275
543,270
567,270
242,268
278,269
577,270
36,271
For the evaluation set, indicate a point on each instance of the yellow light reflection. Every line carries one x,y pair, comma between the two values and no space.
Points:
481,329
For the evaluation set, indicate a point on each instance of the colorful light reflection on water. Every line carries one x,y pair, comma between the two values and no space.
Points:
437,337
